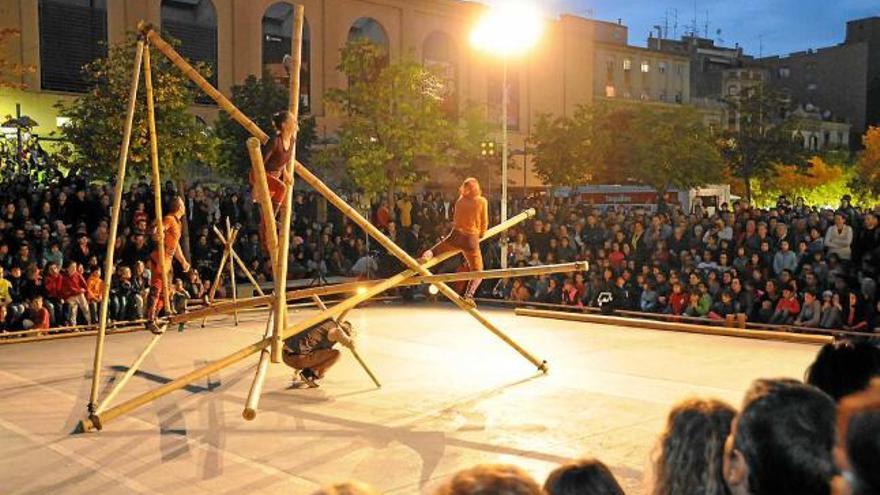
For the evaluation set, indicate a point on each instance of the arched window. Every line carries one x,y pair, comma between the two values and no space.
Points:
194,24
72,34
369,28
277,32
438,55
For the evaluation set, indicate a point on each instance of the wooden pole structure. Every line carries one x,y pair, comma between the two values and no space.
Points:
157,179
253,398
114,224
262,190
408,260
108,399
190,72
354,352
68,335
287,204
230,239
239,262
217,278
97,421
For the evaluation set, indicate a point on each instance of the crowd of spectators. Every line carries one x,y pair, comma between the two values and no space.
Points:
816,437
792,265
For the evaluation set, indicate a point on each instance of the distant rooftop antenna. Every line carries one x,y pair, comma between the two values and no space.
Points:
706,25
760,46
675,23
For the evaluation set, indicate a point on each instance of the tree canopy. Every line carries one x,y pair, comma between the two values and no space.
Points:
97,117
868,164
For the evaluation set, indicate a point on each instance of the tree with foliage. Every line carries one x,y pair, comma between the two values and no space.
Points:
568,150
763,138
669,148
259,99
822,182
97,117
392,120
868,164
467,152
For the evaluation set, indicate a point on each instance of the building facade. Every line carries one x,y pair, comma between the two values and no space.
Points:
844,79
239,38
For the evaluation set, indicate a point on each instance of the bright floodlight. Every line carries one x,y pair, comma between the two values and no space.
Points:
433,289
510,27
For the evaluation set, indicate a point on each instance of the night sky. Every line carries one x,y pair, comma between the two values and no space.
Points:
781,26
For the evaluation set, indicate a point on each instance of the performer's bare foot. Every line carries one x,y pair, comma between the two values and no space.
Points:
156,329
305,379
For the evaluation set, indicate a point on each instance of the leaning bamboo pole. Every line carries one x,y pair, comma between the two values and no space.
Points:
287,204
108,399
97,421
239,262
189,71
408,260
157,179
354,352
114,224
230,239
256,390
217,278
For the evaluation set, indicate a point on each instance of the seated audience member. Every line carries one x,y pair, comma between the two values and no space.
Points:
858,316
179,299
348,488
95,292
844,368
692,449
73,290
832,311
787,308
36,317
584,477
858,424
495,479
678,300
811,311
781,441
724,308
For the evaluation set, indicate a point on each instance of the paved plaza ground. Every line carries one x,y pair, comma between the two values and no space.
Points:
453,396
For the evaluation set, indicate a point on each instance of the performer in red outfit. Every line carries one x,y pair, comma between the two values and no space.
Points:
276,158
171,227
470,221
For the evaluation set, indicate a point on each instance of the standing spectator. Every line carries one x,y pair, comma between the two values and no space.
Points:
839,237
95,292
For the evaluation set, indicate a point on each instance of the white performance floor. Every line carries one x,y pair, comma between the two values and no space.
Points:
453,396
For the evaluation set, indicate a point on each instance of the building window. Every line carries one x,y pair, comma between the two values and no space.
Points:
644,96
72,34
277,32
840,138
194,24
679,97
814,142
495,96
679,69
438,55
609,91
609,70
783,72
661,67
627,64
646,67
370,29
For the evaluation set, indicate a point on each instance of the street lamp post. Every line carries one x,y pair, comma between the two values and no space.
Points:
510,28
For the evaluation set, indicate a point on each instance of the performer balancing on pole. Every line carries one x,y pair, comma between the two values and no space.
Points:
311,351
276,158
470,221
171,227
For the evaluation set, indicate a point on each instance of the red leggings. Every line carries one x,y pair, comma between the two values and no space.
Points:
469,245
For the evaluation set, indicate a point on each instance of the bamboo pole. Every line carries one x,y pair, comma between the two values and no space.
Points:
287,204
256,390
97,421
676,327
262,190
217,278
114,223
66,329
239,262
157,178
231,234
68,335
354,352
402,255
190,72
117,387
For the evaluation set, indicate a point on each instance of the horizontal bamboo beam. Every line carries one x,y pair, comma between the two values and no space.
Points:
98,421
798,338
68,328
68,335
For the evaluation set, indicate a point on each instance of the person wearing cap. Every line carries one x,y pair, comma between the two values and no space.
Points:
311,351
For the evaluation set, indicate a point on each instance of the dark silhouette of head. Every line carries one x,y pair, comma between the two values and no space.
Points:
781,441
844,367
692,449
584,477
494,479
858,423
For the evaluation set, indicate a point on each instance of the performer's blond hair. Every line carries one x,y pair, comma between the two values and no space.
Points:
470,188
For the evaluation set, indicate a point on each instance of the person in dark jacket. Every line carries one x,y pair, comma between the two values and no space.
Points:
311,351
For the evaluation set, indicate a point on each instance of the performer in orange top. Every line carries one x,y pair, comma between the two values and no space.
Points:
470,221
276,158
171,227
